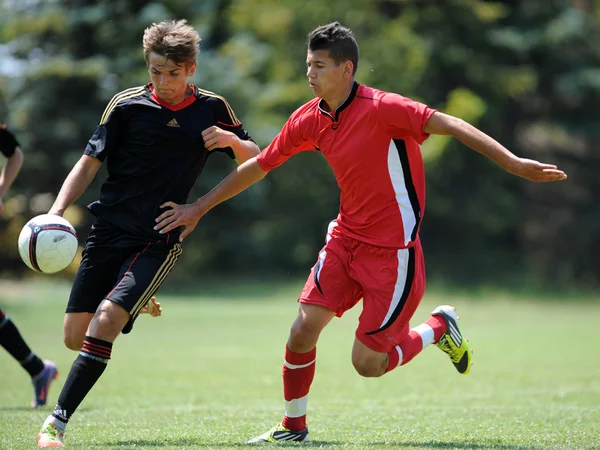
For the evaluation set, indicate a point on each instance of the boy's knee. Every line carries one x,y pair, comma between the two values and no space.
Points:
73,342
108,321
303,335
369,367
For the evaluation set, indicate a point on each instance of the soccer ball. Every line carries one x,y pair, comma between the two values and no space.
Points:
48,243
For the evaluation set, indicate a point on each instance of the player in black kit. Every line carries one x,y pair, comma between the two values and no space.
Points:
155,140
42,372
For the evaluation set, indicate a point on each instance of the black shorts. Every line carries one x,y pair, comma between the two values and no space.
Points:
126,276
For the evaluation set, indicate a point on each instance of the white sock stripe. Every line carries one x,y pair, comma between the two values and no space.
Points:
28,358
95,358
426,333
62,426
294,366
296,407
400,354
4,321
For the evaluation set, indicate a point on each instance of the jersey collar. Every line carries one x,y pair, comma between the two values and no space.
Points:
187,102
343,106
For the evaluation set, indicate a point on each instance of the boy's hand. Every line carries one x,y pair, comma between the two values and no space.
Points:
538,172
177,216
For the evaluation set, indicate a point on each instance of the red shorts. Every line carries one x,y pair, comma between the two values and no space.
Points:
390,281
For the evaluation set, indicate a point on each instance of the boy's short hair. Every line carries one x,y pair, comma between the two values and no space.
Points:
173,39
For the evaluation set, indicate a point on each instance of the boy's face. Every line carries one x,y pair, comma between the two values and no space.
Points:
325,77
169,79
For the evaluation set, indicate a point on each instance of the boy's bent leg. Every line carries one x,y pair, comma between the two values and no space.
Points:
108,321
85,371
394,284
372,363
141,275
368,362
96,276
93,357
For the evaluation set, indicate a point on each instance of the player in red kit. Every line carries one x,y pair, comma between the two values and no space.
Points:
371,140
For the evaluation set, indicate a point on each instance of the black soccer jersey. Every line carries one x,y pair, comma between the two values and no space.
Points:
8,142
154,153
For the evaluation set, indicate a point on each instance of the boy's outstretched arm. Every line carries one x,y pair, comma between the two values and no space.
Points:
9,173
444,124
244,176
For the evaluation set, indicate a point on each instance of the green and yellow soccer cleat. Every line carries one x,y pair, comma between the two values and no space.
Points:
50,436
280,434
452,341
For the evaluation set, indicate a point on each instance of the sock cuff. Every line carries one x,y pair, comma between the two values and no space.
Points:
438,324
96,348
97,341
28,358
59,417
394,358
300,359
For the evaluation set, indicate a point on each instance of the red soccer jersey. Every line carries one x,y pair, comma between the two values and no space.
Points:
372,143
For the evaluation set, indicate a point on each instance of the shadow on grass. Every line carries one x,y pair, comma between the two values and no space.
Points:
179,442
453,444
39,409
18,408
197,443
405,444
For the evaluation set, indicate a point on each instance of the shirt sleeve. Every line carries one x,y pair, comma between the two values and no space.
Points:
105,138
8,142
293,138
402,117
227,120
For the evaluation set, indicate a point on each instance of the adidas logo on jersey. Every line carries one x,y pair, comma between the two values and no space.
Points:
173,123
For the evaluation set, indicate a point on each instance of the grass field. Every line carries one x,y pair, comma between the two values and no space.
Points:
206,375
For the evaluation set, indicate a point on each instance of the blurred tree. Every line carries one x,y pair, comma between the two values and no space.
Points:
527,73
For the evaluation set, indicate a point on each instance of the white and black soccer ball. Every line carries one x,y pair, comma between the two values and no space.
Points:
48,243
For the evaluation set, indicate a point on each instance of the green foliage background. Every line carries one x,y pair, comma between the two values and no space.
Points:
525,72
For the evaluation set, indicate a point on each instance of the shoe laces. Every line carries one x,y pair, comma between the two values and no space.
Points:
52,432
276,428
448,348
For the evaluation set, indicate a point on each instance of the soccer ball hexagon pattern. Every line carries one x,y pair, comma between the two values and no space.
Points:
48,243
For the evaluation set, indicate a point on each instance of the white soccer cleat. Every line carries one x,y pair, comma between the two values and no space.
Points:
50,436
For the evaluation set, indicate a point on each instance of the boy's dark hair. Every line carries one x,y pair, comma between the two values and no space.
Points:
338,40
